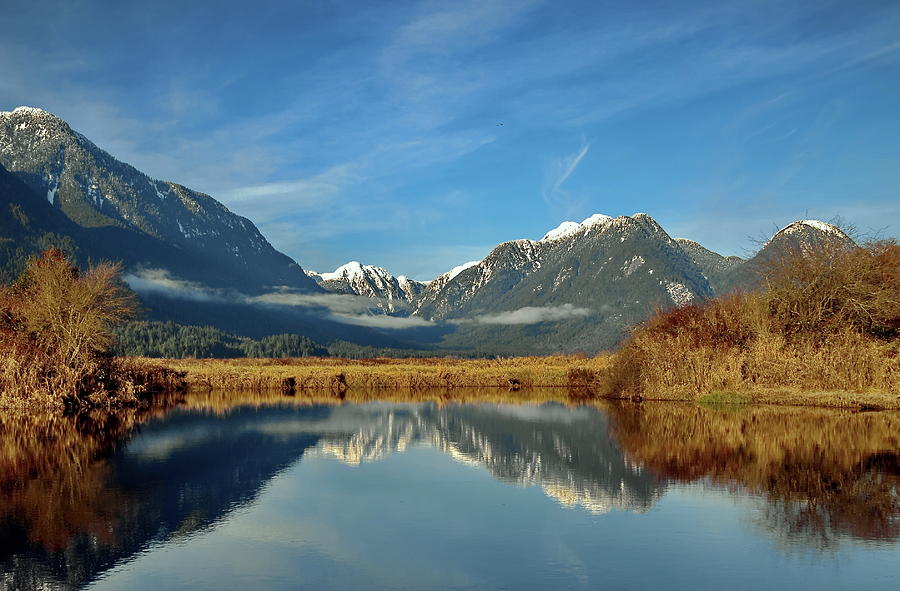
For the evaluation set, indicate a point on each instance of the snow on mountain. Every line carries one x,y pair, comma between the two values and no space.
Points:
802,225
804,236
390,294
566,229
459,269
625,267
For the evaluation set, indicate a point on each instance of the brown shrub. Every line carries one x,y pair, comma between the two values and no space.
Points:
834,288
55,327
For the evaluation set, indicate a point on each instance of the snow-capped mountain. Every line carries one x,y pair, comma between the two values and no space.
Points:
590,280
392,294
579,287
197,237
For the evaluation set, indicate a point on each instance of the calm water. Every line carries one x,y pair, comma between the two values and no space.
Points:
216,494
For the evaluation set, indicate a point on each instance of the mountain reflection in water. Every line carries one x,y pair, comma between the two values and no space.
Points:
79,495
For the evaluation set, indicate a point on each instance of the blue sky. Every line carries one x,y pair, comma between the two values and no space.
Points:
369,130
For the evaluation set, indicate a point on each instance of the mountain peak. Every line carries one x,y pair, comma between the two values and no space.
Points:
32,113
803,227
458,269
34,121
390,293
95,190
25,110
348,270
568,228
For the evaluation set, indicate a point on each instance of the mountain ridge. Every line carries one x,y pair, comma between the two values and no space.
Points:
94,189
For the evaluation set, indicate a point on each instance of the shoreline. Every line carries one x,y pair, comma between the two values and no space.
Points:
511,378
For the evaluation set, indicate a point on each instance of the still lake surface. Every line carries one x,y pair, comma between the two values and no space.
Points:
281,494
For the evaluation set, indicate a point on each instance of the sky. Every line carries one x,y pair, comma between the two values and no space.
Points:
418,135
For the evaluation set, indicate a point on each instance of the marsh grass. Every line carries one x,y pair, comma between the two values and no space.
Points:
828,321
338,376
725,400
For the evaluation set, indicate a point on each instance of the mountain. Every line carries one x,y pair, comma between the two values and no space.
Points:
28,225
187,233
713,265
802,235
578,288
391,294
190,259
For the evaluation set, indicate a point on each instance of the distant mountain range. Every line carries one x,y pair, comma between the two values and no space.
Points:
578,288
393,295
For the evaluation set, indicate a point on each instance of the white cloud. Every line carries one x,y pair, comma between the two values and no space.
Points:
161,282
533,315
343,308
569,165
337,303
382,321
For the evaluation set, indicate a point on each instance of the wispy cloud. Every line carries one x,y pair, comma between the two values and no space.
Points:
533,315
161,282
382,321
558,172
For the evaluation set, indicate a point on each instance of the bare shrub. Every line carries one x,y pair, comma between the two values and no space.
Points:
835,288
56,325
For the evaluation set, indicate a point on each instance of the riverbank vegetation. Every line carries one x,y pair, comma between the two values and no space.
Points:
339,375
827,321
55,331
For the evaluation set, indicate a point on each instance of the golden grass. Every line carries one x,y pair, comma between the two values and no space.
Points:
729,345
501,380
342,375
826,327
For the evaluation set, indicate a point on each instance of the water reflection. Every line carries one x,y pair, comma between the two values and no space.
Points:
567,451
81,494
825,474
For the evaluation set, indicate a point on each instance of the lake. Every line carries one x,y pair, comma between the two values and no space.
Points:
236,492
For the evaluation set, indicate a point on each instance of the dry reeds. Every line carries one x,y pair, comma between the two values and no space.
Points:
829,321
340,375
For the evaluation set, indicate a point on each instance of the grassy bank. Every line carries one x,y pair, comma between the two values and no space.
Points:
341,375
558,378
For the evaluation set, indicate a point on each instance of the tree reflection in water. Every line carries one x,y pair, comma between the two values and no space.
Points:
824,473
